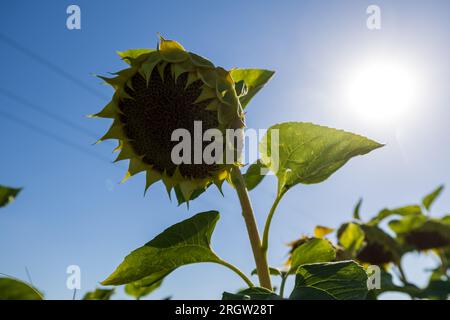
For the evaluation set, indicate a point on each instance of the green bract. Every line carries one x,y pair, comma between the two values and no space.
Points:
167,89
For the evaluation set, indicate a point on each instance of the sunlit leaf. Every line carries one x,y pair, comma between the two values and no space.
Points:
310,153
253,175
312,251
11,289
254,79
137,292
7,195
402,211
330,281
99,294
429,199
184,243
351,237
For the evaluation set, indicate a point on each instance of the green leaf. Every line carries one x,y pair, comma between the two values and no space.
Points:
402,211
184,243
11,289
241,88
253,175
334,280
387,285
351,237
234,296
436,289
272,271
255,293
99,294
309,153
254,79
7,195
356,214
429,199
312,251
138,292
407,224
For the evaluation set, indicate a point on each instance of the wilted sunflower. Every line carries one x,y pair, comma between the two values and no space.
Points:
380,248
377,247
420,232
164,90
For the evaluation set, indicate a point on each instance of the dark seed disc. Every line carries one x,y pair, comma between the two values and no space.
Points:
375,253
156,110
424,240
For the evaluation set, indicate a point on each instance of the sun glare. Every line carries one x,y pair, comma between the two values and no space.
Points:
382,90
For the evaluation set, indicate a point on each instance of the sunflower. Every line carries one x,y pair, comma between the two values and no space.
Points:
380,248
421,233
374,247
164,90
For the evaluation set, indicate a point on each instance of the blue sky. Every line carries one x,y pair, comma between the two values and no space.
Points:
72,210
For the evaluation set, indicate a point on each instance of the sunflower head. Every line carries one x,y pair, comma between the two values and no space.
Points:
370,244
380,248
164,90
423,233
420,232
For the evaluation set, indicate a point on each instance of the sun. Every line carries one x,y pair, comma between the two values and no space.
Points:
382,91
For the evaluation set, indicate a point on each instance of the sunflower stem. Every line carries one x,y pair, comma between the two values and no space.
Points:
247,211
283,283
403,277
265,241
444,263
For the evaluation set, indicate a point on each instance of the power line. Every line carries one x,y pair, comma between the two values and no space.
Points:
66,142
60,71
47,113
53,136
28,275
